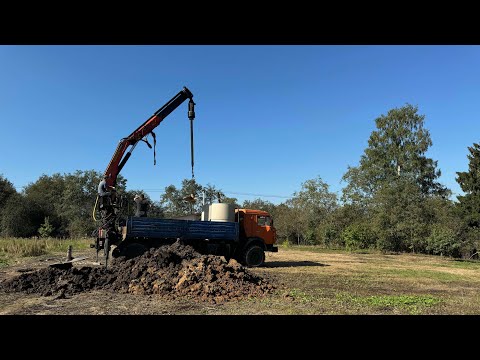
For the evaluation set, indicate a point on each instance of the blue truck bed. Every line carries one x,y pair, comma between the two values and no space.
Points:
187,229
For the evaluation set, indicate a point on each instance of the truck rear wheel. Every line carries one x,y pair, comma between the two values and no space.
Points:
254,256
133,250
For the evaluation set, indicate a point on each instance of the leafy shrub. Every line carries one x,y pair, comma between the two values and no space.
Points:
442,241
329,236
46,229
358,236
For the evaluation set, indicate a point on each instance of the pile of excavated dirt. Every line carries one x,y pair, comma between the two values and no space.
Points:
171,271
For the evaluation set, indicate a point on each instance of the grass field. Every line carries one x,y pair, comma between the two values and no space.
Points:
13,248
310,280
339,282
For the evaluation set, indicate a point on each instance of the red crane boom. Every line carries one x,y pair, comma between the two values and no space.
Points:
118,159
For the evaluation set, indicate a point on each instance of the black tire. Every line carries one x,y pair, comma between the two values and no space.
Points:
134,250
253,256
116,252
227,253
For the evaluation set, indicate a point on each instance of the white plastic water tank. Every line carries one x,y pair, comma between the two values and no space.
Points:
221,212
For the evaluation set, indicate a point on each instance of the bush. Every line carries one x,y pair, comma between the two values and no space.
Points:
329,235
46,229
79,227
21,217
285,243
442,241
310,238
470,246
358,236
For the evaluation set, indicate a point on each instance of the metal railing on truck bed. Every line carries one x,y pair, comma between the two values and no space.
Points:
187,229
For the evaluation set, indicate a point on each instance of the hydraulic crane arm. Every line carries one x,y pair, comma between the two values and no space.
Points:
118,159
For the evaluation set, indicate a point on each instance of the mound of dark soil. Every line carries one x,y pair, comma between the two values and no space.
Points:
170,271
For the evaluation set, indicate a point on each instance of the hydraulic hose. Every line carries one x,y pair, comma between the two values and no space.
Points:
94,208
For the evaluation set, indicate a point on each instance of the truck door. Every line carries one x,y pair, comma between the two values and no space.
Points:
264,229
250,225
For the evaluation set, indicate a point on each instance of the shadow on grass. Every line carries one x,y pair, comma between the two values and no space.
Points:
471,261
279,264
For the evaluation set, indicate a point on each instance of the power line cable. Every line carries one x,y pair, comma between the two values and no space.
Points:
234,193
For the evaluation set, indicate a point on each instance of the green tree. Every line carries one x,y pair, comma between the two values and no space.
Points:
230,200
260,204
47,193
21,217
78,199
400,218
469,181
358,235
449,235
310,207
46,229
6,190
68,200
212,194
397,148
442,241
174,202
129,206
330,231
285,224
156,210
394,181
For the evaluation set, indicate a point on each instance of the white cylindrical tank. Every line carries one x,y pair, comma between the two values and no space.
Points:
205,209
221,212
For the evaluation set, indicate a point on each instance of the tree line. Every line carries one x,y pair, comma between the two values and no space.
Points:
392,200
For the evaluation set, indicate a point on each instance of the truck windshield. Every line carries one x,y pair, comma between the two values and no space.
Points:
264,220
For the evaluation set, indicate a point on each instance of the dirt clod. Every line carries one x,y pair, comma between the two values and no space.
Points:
171,271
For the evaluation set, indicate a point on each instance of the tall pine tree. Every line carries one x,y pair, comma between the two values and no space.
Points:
469,181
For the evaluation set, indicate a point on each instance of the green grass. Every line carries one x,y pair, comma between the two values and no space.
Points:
13,247
373,283
3,261
302,296
413,304
461,264
312,248
322,249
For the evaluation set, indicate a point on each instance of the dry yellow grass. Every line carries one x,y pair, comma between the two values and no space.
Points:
325,282
15,247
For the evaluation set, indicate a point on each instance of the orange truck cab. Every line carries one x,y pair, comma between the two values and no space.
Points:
256,235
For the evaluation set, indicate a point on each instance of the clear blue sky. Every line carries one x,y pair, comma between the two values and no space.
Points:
267,117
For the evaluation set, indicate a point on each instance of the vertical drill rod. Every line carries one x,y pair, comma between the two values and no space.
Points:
191,116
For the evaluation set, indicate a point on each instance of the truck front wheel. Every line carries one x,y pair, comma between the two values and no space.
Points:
254,256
